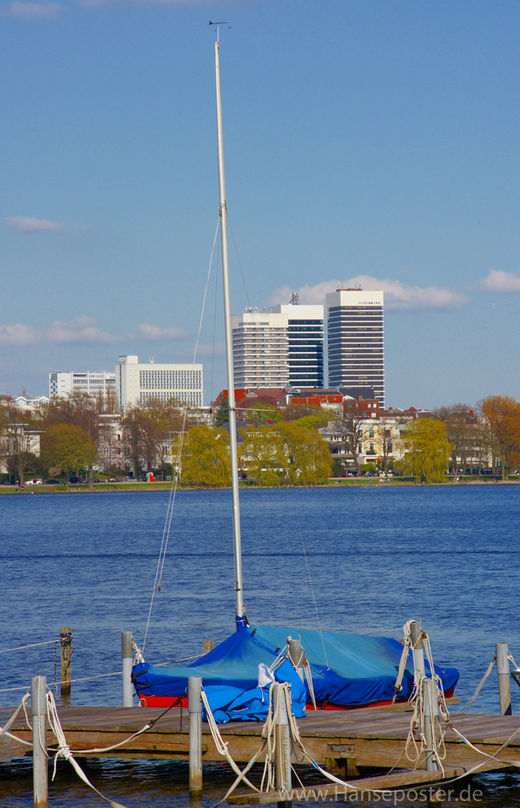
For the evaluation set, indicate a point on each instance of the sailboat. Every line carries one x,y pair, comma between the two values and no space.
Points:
344,670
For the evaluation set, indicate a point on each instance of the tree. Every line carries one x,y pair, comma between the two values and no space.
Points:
222,414
147,435
263,413
308,454
502,418
461,424
293,412
205,458
78,408
67,448
20,441
262,452
348,433
427,450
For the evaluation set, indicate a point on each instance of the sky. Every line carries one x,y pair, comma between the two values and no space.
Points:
370,142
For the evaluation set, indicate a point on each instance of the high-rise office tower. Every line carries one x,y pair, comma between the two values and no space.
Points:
279,346
355,341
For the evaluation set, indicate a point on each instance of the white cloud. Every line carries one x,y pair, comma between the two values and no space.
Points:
31,224
397,296
18,334
81,330
33,11
149,331
499,281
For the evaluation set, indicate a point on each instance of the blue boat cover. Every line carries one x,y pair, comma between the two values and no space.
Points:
348,670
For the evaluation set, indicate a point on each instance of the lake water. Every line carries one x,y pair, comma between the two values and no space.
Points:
353,559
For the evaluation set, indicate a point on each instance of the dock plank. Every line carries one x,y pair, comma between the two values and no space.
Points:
371,738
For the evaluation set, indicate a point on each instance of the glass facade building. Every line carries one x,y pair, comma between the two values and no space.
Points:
278,346
355,340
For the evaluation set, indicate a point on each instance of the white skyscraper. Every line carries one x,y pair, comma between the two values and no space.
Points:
355,340
137,384
278,346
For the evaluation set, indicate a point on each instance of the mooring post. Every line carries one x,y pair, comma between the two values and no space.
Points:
127,639
416,634
504,684
431,720
282,744
296,655
66,659
39,723
195,716
428,685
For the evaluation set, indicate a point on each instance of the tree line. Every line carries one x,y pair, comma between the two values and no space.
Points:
277,446
79,433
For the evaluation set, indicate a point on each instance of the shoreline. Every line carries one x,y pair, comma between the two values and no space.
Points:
334,482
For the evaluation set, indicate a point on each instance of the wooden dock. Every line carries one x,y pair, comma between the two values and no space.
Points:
343,741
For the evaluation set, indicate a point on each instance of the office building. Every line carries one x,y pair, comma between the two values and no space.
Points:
278,346
137,384
355,341
92,383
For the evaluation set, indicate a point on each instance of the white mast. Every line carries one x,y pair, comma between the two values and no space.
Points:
240,611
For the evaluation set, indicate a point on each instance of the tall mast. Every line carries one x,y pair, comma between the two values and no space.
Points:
240,611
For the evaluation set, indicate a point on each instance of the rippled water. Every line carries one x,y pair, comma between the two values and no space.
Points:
354,559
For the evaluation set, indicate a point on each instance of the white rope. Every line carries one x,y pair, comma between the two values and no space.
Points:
31,645
310,683
5,729
222,749
268,734
64,750
478,688
407,644
78,679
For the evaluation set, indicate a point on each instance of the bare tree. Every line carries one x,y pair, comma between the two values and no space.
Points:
461,424
347,433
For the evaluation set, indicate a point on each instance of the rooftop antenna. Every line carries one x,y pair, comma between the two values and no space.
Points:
218,23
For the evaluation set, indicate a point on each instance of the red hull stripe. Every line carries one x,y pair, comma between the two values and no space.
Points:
168,701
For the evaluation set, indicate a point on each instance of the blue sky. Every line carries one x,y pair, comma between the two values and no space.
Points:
369,141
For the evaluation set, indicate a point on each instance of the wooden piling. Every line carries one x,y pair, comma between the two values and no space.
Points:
207,646
39,726
504,683
282,744
431,723
66,660
195,751
126,654
431,708
296,655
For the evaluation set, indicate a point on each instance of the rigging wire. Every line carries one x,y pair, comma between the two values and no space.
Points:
309,576
175,476
239,262
211,576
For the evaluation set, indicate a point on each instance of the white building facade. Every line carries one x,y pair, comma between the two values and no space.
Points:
93,383
137,383
278,346
355,340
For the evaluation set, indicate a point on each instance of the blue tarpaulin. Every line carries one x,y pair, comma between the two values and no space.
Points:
348,670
